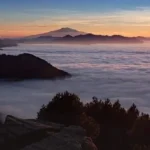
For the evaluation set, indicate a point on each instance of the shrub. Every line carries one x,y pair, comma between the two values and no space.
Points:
109,124
104,112
64,108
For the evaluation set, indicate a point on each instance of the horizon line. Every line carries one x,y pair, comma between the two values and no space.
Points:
23,36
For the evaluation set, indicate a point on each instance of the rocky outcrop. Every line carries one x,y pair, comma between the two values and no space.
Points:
27,66
20,134
69,138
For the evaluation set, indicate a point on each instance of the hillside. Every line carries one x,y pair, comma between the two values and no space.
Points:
27,66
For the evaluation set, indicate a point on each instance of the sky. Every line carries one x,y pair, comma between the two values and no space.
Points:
28,17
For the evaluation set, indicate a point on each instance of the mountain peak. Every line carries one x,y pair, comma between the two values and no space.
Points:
66,29
60,33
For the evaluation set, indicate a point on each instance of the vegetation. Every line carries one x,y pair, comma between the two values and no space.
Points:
111,126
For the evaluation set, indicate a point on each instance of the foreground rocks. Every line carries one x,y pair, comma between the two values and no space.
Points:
27,66
20,134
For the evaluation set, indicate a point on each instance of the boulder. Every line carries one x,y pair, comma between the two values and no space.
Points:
69,138
30,134
28,66
88,144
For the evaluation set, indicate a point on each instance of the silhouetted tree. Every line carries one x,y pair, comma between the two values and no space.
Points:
110,125
132,115
64,108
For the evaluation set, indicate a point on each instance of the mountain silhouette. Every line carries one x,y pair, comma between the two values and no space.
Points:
58,33
93,39
7,43
69,36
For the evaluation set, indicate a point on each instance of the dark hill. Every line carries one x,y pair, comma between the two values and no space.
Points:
27,66
91,38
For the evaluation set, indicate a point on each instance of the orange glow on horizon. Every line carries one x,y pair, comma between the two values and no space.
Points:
127,22
18,31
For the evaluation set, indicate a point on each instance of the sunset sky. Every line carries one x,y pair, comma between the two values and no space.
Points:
28,17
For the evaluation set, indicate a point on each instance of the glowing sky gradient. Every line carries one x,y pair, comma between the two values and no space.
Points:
28,17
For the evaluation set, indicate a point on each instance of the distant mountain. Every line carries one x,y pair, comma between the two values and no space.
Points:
58,33
144,38
68,35
93,39
63,32
7,43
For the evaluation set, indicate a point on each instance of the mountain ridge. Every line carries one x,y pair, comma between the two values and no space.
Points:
68,36
58,33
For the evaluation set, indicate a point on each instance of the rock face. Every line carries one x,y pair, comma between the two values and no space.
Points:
20,134
69,138
27,66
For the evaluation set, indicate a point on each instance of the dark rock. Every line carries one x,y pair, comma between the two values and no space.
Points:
27,66
30,134
69,138
16,133
88,144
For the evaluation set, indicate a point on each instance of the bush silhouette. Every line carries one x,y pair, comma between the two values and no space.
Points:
64,108
111,126
104,112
